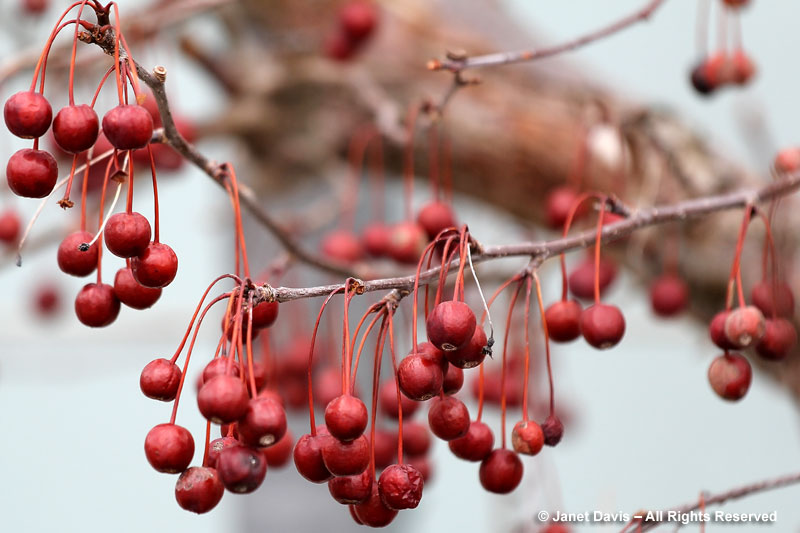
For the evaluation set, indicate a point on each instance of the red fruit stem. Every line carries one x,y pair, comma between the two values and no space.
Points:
84,192
373,309
390,314
447,258
156,218
463,243
376,374
100,86
71,177
748,211
567,224
408,167
72,56
112,160
208,441
238,218
722,30
129,199
197,311
736,25
356,154
769,245
428,250
526,374
540,300
348,295
236,337
117,74
503,366
597,246
253,388
577,170
41,64
189,354
311,362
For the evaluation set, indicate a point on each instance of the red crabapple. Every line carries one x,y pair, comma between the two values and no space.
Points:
9,226
345,458
602,325
156,266
223,399
787,160
342,246
387,400
278,455
128,127
407,241
558,205
453,380
501,471
127,234
420,377
778,340
216,446
351,490
357,19
160,379
716,330
169,448
527,437
434,217
745,326
475,445
373,512
400,487
581,280
346,417
133,294
553,430
74,261
31,173
199,489
263,424
27,114
241,469
773,298
669,295
448,418
730,375
563,320
470,354
450,325
308,458
96,305
416,438
376,239
76,128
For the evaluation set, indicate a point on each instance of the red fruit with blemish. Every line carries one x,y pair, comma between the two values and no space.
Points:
407,242
602,325
223,399
501,471
450,325
470,354
553,430
342,246
773,298
373,512
169,448
241,469
132,293
563,320
669,295
160,380
199,489
346,417
127,234
400,487
345,458
76,128
745,326
96,305
308,457
216,446
156,266
31,173
581,280
448,418
420,377
527,437
435,217
72,260
730,375
9,226
351,490
128,127
779,338
27,114
263,424
475,445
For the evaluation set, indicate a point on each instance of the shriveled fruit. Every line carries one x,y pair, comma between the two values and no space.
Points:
527,437
199,489
553,430
400,487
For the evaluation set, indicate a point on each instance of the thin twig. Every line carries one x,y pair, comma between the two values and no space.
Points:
506,58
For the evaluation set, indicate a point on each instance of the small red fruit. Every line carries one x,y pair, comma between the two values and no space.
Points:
199,489
351,490
27,114
778,340
475,445
264,423
169,448
450,325
501,471
72,260
358,19
345,458
407,242
472,353
527,437
342,246
9,226
669,295
581,280
416,438
745,326
96,305
716,330
31,173
128,127
553,430
420,377
241,469
400,487
435,217
346,417
602,325
373,512
787,160
223,399
127,234
156,266
216,446
563,320
730,375
278,455
76,128
453,380
448,418
742,67
387,400
376,239
308,457
264,314
160,379
558,205
133,294
773,299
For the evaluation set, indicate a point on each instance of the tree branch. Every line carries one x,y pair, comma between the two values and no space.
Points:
686,210
506,58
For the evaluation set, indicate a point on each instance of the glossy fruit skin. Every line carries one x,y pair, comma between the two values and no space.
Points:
241,469
169,448
745,326
581,280
76,128
131,293
160,379
346,417
156,267
376,239
373,512
27,114
407,242
31,173
264,314
420,377
563,320
199,489
127,234
400,487
128,127
345,458
527,437
669,295
387,401
73,261
501,471
773,298
263,424
435,217
472,353
450,325
448,418
730,375
779,338
553,430
558,204
96,305
9,226
475,445
603,326
342,246
453,380
308,458
716,330
223,399
278,455
351,490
